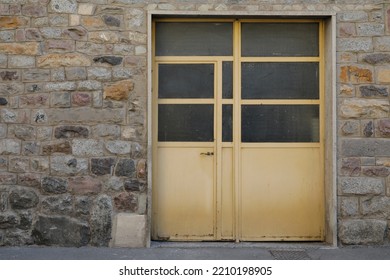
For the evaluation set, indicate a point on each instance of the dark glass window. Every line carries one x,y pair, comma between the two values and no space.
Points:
194,38
280,123
280,39
186,122
227,80
227,123
186,81
279,80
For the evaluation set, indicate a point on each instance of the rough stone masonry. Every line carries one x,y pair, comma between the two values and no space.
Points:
73,96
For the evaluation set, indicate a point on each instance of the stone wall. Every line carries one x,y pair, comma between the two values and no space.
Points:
73,95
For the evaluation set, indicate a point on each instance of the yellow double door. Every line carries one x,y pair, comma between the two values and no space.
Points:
228,163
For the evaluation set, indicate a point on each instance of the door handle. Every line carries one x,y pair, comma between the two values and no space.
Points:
207,154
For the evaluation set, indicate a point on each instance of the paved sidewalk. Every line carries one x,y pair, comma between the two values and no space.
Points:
200,251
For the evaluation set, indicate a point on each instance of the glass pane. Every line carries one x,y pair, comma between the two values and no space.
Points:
186,81
186,123
280,39
280,123
227,79
194,38
227,123
284,80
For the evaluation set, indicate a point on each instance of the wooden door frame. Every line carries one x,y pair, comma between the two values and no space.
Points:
330,105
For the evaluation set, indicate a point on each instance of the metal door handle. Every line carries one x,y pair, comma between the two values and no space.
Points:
207,154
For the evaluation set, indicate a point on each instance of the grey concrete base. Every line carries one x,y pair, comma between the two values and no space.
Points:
129,231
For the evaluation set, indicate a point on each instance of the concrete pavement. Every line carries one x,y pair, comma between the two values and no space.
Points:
201,251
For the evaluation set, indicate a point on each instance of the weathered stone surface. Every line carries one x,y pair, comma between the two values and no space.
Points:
368,130
59,46
126,201
76,73
377,58
384,127
7,36
19,164
60,86
11,88
29,180
101,221
112,20
58,75
23,132
354,74
99,73
64,6
93,23
377,206
106,131
361,185
354,44
83,205
89,85
85,114
103,37
118,147
71,131
39,116
119,90
86,9
125,167
88,147
23,198
134,185
382,43
8,220
10,147
26,218
111,60
91,48
81,99
61,231
141,169
102,166
53,185
13,22
84,185
362,231
62,60
364,108
33,34
15,116
60,99
19,48
114,183
349,206
34,10
62,147
353,16
59,204
373,91
383,75
39,164
30,148
7,178
34,101
36,75
58,20
376,171
68,165
9,75
370,29
76,33
3,101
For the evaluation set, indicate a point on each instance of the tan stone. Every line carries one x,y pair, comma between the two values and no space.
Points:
74,20
363,108
129,230
346,90
63,60
92,22
104,37
384,75
12,22
86,9
354,74
119,90
19,48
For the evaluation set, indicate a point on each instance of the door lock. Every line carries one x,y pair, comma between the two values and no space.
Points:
207,154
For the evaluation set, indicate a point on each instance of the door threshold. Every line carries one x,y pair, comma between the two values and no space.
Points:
244,244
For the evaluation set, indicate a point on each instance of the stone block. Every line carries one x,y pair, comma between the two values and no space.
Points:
362,232
15,116
355,75
8,220
36,75
44,133
7,36
364,108
60,231
383,126
125,167
23,132
59,46
350,128
74,20
350,166
134,185
88,147
376,206
83,205
60,99
86,9
11,22
368,129
363,44
101,221
8,178
39,164
3,60
370,29
102,37
89,48
377,58
76,33
4,163
53,185
62,60
23,198
20,48
29,180
51,32
58,74
361,186
60,86
383,75
68,165
21,61
141,169
92,23
349,206
113,21
11,88
56,147
353,16
106,131
86,115
64,6
59,204
126,201
19,164
114,183
10,147
59,20
9,76
84,185
123,73
102,166
76,73
89,85
382,43
118,147
81,99
129,230
373,92
111,60
32,34
119,90
39,116
99,73
30,148
34,10
71,131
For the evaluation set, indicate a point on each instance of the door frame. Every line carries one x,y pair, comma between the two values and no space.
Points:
329,87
